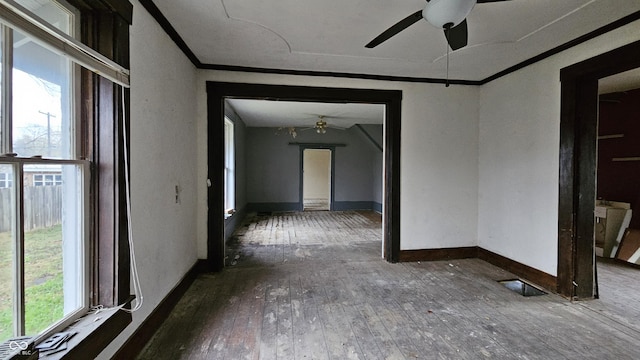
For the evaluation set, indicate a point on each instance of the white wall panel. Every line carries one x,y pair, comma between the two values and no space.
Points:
519,155
163,156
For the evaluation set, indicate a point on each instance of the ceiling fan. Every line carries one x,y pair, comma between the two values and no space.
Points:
321,125
449,15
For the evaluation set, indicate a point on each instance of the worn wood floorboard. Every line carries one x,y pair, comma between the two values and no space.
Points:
312,285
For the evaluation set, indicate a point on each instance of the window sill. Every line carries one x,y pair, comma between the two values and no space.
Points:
95,332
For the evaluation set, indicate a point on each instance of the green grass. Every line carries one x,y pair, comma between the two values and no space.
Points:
43,280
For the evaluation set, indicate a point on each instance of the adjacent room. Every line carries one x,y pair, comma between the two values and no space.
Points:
319,179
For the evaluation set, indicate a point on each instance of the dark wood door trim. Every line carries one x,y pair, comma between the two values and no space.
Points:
217,92
578,154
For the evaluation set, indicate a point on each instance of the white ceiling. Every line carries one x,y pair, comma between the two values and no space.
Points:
265,113
330,35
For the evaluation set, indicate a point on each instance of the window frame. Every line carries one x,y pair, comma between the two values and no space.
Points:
229,167
103,113
77,255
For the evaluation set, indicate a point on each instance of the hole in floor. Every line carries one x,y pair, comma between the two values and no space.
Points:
522,287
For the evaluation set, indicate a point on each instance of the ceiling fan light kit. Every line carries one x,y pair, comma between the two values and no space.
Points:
447,13
321,126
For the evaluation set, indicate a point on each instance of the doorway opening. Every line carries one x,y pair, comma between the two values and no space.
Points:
617,173
317,179
218,92
578,162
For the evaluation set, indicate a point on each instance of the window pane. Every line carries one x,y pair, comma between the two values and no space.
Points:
229,165
54,274
53,12
41,101
7,222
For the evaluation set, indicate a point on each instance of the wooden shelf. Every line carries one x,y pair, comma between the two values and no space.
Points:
612,136
631,158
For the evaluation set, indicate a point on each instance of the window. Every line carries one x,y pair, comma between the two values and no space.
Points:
50,229
229,168
47,179
6,181
44,281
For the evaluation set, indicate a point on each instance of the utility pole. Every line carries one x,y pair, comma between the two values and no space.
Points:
49,116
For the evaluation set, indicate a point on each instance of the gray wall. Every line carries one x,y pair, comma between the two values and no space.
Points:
273,168
375,137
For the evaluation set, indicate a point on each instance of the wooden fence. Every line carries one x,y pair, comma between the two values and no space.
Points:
42,207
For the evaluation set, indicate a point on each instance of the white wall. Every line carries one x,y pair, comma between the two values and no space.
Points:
439,156
519,155
163,153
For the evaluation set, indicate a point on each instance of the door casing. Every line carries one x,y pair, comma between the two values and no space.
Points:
578,156
217,92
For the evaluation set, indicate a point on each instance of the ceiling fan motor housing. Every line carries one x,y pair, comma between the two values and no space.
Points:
447,13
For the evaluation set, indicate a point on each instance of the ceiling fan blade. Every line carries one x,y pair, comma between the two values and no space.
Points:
489,1
401,25
457,36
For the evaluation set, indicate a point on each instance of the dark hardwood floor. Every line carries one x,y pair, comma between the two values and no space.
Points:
313,285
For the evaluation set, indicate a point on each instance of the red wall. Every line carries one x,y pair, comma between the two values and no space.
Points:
620,181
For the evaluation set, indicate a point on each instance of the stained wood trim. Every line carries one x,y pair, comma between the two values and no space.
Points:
566,46
101,111
632,158
215,180
121,7
218,91
95,332
137,341
439,254
523,271
578,138
409,79
164,23
534,276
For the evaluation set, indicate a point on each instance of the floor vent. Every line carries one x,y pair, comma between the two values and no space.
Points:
522,287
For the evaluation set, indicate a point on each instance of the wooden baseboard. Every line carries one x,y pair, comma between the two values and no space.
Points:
438,254
534,276
152,323
525,272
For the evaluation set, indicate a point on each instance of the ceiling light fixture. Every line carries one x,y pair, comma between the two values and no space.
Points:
321,126
445,14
